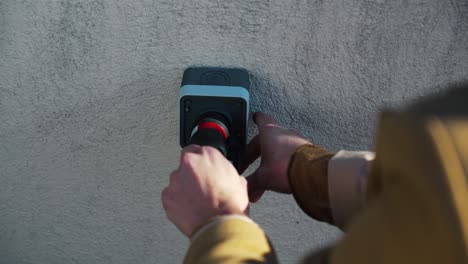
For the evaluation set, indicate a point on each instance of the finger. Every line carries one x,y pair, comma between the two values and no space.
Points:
263,119
187,150
209,150
243,181
254,197
192,149
255,186
251,153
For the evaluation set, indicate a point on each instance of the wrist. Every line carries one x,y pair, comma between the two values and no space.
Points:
231,211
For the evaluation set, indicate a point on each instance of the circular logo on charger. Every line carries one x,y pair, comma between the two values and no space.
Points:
215,78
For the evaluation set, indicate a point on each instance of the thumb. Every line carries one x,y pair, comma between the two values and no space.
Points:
255,185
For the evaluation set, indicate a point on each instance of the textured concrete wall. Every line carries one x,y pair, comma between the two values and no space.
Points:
88,99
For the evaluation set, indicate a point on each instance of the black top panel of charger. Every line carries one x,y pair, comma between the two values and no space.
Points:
216,76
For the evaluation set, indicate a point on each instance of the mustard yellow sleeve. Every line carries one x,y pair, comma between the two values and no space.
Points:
230,239
329,187
417,195
308,178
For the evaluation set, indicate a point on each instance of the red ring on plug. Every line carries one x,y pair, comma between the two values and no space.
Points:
213,125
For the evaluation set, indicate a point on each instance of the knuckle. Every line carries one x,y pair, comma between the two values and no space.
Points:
188,159
188,164
192,147
206,149
209,151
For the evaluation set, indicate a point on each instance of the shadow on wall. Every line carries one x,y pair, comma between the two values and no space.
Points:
328,120
320,121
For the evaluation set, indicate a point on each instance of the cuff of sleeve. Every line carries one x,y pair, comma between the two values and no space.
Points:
347,178
212,222
233,237
307,174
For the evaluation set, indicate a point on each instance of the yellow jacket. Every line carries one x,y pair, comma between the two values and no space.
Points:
409,204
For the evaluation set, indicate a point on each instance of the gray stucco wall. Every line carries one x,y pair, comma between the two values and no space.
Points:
88,106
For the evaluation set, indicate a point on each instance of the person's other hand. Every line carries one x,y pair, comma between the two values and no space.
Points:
204,186
275,145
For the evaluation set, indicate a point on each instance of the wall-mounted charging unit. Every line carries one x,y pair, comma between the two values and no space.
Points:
214,109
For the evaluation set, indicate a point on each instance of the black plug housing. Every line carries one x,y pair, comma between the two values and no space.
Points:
214,109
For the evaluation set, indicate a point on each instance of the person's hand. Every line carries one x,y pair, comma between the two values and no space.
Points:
204,186
275,145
